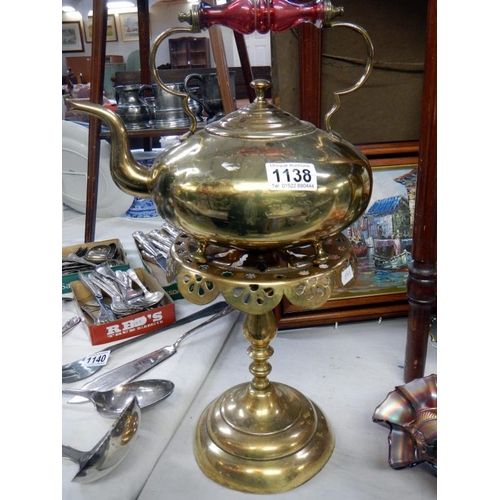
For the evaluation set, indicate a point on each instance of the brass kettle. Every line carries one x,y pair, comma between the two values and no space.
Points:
259,178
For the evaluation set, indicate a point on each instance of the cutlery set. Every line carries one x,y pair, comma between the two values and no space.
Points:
114,394
155,247
85,259
118,286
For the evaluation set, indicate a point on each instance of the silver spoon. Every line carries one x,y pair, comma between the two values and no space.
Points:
150,297
111,448
111,403
101,253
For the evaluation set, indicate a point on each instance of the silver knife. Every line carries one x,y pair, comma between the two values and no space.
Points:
133,369
157,255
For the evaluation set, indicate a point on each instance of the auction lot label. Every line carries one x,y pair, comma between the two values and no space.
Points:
291,176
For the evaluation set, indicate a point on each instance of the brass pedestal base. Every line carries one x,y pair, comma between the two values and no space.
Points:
262,437
262,440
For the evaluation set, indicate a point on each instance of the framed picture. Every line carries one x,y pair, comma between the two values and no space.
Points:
129,26
72,37
382,241
111,33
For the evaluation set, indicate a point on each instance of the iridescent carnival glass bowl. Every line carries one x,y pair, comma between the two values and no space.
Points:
410,412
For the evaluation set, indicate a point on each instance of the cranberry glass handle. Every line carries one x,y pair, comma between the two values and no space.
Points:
247,16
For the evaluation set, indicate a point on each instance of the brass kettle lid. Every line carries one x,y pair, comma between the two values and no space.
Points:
260,120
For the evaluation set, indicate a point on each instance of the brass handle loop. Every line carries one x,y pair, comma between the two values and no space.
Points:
162,84
368,69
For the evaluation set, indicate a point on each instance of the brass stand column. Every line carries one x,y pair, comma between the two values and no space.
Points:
262,436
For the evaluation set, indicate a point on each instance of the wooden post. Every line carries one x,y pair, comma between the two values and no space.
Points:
96,91
144,49
310,73
144,33
245,64
422,277
221,68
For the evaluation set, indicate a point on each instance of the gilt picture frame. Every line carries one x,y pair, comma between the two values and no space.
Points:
111,32
129,26
72,37
382,241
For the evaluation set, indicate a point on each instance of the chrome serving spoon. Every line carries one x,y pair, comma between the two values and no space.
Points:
111,449
113,402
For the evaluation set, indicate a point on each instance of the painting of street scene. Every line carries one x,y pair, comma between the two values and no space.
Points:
382,237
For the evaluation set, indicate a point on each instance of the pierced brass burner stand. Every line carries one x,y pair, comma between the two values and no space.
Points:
262,436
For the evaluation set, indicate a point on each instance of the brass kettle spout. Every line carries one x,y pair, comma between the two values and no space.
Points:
129,175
